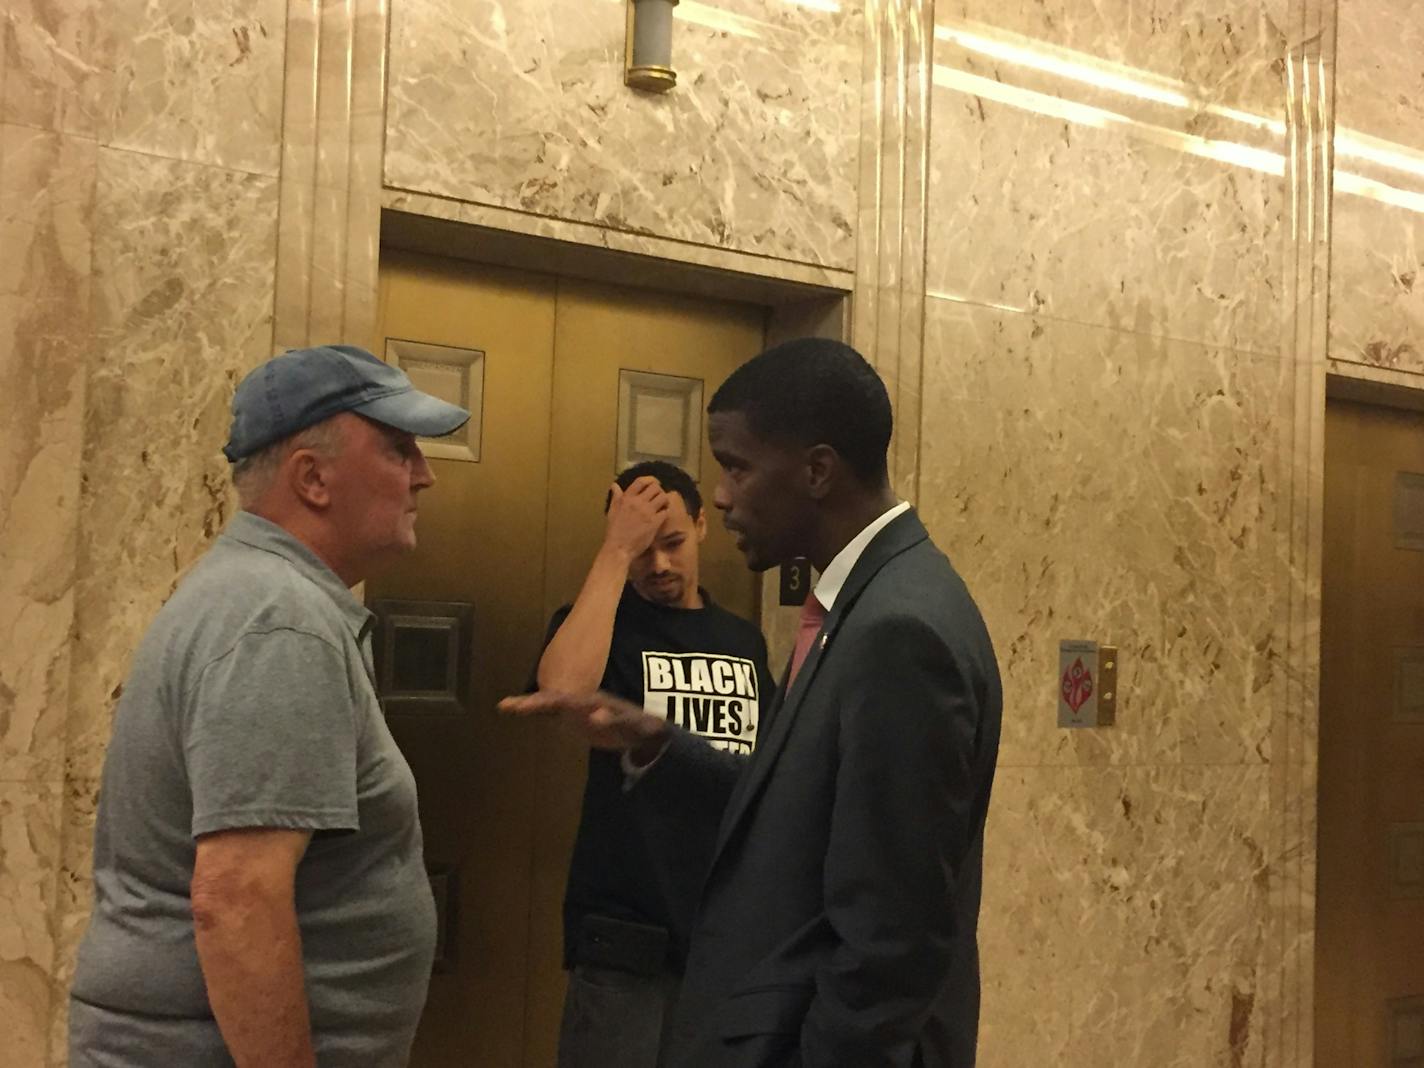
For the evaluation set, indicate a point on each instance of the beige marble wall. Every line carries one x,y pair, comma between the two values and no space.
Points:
47,179
523,106
1377,265
184,265
1119,486
55,65
139,151
1140,99
46,228
1098,291
1109,450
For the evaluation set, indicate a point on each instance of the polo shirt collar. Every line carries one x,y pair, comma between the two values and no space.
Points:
264,535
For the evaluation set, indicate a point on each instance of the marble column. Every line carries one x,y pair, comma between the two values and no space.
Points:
888,306
1286,997
332,143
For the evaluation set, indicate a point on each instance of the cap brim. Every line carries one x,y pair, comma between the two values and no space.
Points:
416,413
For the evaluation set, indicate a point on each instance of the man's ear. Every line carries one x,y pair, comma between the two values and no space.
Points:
700,524
306,474
823,465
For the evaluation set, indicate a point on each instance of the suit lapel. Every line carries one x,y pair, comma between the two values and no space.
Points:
902,532
778,698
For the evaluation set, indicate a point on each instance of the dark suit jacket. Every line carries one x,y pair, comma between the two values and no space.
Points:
837,924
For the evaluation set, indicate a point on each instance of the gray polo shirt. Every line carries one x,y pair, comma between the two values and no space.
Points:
250,704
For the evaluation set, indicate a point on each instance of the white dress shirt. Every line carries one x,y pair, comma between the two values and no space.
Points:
828,588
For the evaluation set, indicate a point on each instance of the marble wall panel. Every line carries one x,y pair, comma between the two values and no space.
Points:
1120,918
29,852
1026,954
1092,483
54,59
1175,947
46,198
1379,69
1377,285
197,80
74,897
1377,248
6,28
1225,49
523,106
183,305
179,78
1117,164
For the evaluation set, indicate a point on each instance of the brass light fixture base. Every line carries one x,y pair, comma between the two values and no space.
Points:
649,77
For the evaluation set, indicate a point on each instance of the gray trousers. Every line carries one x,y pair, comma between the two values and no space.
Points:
615,1019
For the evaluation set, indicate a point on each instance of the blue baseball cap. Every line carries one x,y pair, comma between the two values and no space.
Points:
302,387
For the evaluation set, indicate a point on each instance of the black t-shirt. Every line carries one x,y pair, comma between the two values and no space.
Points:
705,670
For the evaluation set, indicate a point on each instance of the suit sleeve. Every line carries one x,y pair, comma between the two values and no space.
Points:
691,780
901,827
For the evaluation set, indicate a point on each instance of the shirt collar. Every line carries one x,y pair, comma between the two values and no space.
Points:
632,595
838,570
264,535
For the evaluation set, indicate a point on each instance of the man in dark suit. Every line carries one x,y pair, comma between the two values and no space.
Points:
837,922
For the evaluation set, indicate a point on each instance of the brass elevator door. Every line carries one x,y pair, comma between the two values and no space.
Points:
1369,972
481,535
513,534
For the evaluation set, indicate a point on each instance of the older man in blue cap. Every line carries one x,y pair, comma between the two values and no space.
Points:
260,892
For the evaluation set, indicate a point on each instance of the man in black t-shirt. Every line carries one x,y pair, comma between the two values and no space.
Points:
644,629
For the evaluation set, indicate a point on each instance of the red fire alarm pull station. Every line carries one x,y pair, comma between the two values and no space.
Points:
1087,684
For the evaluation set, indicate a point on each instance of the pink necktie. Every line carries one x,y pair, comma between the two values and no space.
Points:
812,616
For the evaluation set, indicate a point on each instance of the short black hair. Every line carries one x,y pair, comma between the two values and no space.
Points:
671,478
815,391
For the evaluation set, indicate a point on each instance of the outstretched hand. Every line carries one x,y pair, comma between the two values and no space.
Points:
600,719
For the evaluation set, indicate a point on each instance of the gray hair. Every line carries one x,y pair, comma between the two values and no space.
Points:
252,476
